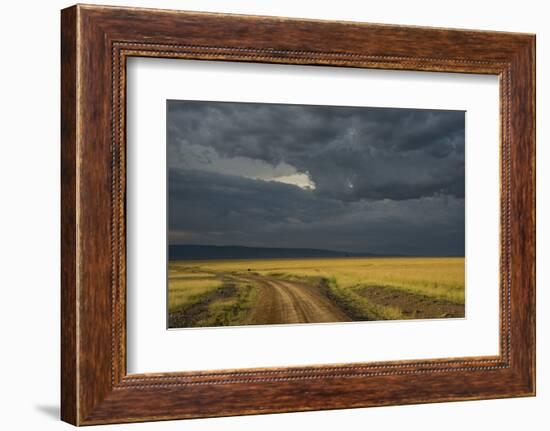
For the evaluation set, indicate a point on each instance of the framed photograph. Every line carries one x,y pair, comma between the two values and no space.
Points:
264,215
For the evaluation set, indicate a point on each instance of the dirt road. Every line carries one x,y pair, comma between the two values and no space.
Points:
282,301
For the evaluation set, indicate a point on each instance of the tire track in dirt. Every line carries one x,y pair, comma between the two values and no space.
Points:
283,301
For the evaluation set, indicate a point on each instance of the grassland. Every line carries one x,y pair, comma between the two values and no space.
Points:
241,292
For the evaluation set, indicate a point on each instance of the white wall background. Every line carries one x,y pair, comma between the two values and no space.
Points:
29,216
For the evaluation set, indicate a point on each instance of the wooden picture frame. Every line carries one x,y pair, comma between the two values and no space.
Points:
95,43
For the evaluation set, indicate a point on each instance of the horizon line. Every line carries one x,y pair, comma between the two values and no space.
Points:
373,254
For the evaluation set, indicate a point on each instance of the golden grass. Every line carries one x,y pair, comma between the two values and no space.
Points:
432,276
349,281
183,291
188,285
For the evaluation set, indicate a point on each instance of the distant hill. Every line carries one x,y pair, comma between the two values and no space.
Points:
205,252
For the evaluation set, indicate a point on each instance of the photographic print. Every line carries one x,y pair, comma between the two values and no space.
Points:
290,214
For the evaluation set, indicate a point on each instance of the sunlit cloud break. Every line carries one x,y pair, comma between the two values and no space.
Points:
301,180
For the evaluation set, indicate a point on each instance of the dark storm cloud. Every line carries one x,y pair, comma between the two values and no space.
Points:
359,179
349,153
208,208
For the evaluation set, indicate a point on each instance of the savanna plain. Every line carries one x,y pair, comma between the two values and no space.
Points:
206,293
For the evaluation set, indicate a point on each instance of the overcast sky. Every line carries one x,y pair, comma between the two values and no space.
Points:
378,180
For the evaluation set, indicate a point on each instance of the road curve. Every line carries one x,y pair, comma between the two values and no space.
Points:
283,301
